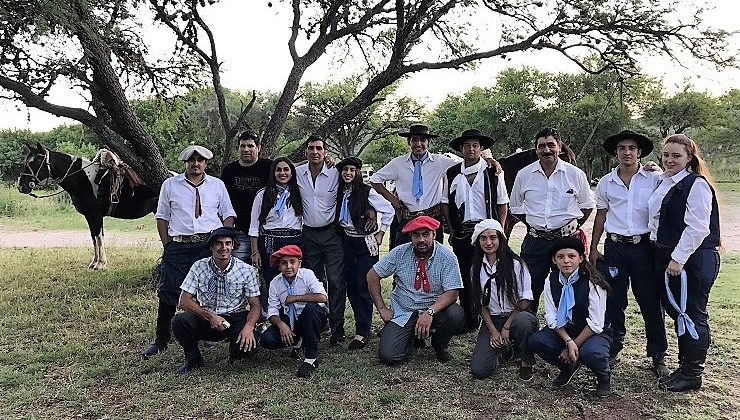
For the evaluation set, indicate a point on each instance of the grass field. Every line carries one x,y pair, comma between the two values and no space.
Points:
70,342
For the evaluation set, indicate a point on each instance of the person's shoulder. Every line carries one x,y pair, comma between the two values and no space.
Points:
443,250
200,264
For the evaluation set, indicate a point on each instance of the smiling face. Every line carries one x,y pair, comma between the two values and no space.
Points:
675,158
349,173
419,145
567,260
628,153
196,166
282,173
547,150
489,241
221,248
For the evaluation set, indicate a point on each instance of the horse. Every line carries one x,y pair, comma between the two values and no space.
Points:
94,187
515,162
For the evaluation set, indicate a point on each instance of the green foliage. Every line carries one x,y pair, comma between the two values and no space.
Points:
684,110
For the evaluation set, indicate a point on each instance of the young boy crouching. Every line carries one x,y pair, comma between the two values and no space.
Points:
296,308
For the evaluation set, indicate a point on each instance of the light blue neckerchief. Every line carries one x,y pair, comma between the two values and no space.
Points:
282,198
418,186
344,215
292,313
683,322
567,298
217,277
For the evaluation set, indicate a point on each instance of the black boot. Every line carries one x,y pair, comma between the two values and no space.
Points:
603,385
660,369
689,374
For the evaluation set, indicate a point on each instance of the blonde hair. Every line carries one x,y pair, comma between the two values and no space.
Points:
696,164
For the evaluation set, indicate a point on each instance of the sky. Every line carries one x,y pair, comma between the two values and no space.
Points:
252,44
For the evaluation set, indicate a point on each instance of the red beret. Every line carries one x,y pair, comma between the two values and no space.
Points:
421,222
286,251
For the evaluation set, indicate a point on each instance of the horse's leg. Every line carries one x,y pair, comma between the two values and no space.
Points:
95,224
102,258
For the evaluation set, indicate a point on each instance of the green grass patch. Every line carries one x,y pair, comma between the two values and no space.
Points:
70,341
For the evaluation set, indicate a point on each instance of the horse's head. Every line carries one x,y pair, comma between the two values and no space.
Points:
36,169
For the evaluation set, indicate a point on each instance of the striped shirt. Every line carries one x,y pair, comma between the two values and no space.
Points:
241,283
442,270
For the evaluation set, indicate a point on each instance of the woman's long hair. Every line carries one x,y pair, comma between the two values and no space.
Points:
359,191
593,274
270,195
506,278
696,163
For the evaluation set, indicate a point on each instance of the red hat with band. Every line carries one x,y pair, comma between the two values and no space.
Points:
286,251
421,222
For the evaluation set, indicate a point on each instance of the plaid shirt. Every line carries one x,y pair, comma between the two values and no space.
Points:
442,270
242,282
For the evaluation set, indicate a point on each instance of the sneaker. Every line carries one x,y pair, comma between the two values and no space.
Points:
305,369
526,372
153,350
566,375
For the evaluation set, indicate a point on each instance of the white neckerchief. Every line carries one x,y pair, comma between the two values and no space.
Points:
461,184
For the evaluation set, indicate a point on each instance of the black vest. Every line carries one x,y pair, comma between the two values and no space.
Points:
457,215
581,289
673,209
358,222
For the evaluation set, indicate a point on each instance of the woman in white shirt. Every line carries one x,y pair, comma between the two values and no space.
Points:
501,292
276,219
684,228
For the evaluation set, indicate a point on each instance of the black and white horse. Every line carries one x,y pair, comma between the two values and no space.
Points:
90,190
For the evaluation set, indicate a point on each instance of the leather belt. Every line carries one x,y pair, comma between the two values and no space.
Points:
632,239
320,228
566,230
191,239
435,212
281,232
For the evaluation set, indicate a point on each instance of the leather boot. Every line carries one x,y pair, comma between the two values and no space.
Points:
659,368
689,377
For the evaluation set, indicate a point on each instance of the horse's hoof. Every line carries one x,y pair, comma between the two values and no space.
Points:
99,266
92,265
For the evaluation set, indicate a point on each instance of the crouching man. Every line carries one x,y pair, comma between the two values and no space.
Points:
214,296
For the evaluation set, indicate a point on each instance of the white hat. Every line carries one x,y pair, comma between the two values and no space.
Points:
483,225
185,154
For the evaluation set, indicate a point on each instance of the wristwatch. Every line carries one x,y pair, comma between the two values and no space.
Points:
431,311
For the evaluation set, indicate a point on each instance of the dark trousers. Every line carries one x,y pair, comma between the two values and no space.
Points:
267,244
485,358
190,328
177,258
701,269
593,353
536,253
396,342
324,255
308,326
357,262
464,251
633,263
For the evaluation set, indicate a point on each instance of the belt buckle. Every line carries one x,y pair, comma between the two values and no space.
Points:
636,239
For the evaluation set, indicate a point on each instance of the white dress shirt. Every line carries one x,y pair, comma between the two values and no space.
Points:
496,305
319,199
596,306
475,202
305,282
383,207
627,207
288,220
401,171
698,212
551,203
176,205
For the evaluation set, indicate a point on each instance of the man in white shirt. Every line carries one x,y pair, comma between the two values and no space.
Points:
622,211
191,205
318,185
553,199
473,192
419,179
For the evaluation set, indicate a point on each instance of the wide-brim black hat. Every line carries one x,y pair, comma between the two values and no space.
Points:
485,141
418,130
354,161
220,232
643,143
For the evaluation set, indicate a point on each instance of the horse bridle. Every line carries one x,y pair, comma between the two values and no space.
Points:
48,181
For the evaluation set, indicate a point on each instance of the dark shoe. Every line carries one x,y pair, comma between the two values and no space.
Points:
681,382
153,350
443,355
669,377
566,375
335,339
419,343
613,361
242,355
660,369
526,372
357,344
305,369
603,387
189,366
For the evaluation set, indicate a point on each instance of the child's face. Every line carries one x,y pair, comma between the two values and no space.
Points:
567,260
289,266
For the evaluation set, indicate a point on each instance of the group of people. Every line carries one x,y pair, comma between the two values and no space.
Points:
263,241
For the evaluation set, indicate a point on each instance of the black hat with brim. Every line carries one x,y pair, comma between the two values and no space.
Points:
485,141
354,161
567,242
643,143
418,130
220,232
